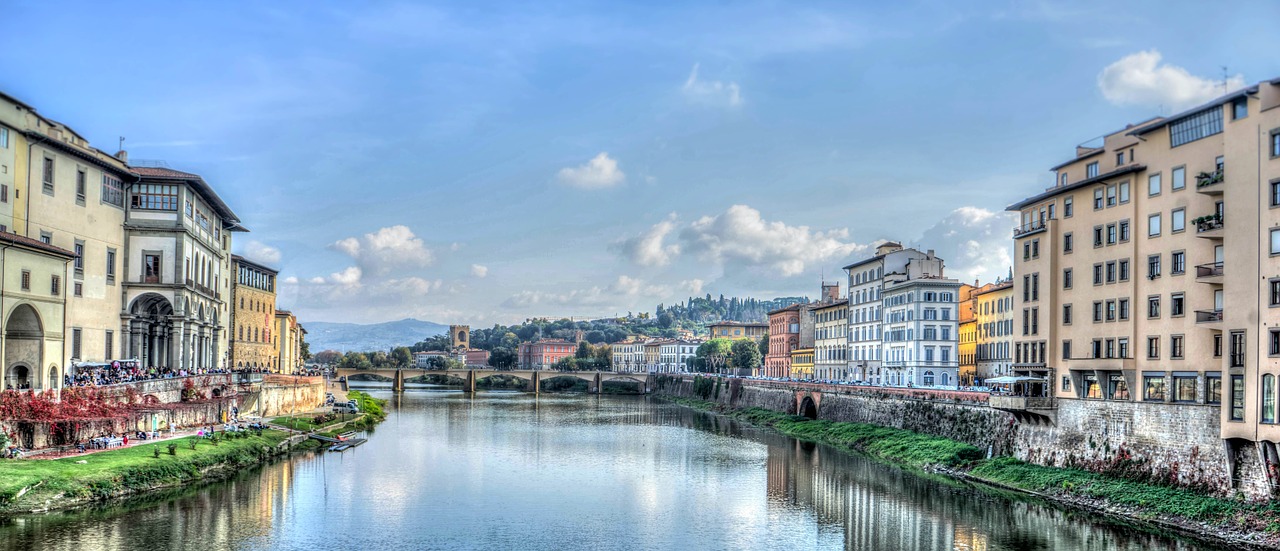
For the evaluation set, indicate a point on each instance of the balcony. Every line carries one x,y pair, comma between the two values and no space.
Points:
1209,318
1209,227
1209,273
1210,183
1035,226
1021,403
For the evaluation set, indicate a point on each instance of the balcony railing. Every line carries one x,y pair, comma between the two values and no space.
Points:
1208,223
1208,316
1206,179
1213,269
1034,226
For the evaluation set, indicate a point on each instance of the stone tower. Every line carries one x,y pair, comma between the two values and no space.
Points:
460,336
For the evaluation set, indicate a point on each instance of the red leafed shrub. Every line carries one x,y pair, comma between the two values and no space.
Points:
77,403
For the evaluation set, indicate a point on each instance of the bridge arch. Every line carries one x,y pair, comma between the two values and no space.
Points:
808,408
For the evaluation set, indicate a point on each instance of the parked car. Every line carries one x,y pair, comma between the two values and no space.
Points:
349,407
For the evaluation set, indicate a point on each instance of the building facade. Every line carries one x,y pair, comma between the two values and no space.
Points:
628,356
289,336
674,355
993,317
1124,285
543,354
253,315
33,299
920,332
784,336
866,303
831,346
734,330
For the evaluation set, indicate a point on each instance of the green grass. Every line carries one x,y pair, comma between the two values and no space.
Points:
108,473
304,422
368,405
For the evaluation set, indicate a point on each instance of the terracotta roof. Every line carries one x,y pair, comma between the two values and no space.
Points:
19,240
161,172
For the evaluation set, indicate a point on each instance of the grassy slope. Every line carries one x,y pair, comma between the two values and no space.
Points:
919,451
108,473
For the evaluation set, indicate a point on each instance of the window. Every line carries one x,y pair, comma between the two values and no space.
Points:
1269,398
1097,274
81,177
1097,311
112,191
1124,192
1124,347
26,280
1237,349
1097,236
77,289
1153,184
1178,262
1091,170
1200,125
1275,192
1111,196
151,268
1237,397
75,343
1124,230
1153,225
1274,348
1066,351
111,266
1275,292
1068,242
1066,281
1217,345
1066,314
1111,348
1177,220
1175,347
1275,143
1035,290
47,176
1062,178
189,208
1124,270
1153,348
4,138
46,238
79,260
1153,266
1178,179
1153,387
1119,158
1275,241
154,197
1111,234
1111,272
1097,348
1035,248
1068,205
4,193
1111,310
1153,306
1213,388
1097,199
1124,309
1239,108
109,348
1184,387
55,285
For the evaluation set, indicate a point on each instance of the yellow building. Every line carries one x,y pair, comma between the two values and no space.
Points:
802,363
288,338
734,330
253,315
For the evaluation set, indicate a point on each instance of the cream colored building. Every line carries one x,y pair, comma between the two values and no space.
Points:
1150,271
288,338
32,301
831,340
993,331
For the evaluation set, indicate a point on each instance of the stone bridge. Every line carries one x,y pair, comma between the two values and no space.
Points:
595,379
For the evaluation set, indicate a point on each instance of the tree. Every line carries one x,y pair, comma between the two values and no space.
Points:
764,345
746,355
503,358
355,360
666,320
566,364
305,351
401,357
445,362
584,351
714,354
328,357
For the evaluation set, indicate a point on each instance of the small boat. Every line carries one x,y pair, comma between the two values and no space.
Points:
339,447
357,442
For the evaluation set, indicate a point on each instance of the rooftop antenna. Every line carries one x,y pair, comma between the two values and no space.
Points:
1225,80
121,148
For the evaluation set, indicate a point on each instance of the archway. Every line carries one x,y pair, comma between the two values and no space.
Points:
53,377
150,330
24,348
808,409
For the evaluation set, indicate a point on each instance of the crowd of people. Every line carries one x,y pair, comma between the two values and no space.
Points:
118,372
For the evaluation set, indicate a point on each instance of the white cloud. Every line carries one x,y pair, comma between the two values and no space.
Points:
479,271
627,285
973,242
598,173
693,286
349,277
389,248
1140,79
649,248
261,252
316,280
594,296
291,280
711,92
741,237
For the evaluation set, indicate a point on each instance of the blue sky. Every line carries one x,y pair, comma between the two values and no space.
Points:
487,163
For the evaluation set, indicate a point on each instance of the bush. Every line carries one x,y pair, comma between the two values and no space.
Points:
155,452
173,449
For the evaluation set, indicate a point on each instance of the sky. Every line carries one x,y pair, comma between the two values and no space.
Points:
489,162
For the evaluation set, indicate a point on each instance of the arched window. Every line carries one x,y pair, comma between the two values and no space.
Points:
1268,398
928,378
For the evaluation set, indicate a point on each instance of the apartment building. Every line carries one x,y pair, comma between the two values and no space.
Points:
993,327
831,340
674,355
1150,271
734,330
866,296
628,356
784,336
920,331
544,354
968,332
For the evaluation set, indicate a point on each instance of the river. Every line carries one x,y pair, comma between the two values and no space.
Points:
514,471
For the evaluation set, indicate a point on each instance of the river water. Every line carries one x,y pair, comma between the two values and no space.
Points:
514,471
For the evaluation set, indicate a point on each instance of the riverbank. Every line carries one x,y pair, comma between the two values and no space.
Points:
37,485
1231,522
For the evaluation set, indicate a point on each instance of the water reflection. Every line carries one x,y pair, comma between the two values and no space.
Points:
511,471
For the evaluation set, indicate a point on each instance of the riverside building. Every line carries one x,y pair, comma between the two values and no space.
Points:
1150,271
253,316
866,294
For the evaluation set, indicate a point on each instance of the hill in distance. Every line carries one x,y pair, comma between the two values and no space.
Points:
343,337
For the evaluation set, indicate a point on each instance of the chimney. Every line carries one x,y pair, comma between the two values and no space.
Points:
123,156
930,253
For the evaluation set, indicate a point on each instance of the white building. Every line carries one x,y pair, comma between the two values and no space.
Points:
674,355
866,290
628,356
921,331
830,340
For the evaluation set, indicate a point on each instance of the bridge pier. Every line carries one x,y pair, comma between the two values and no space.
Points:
397,382
469,386
598,387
